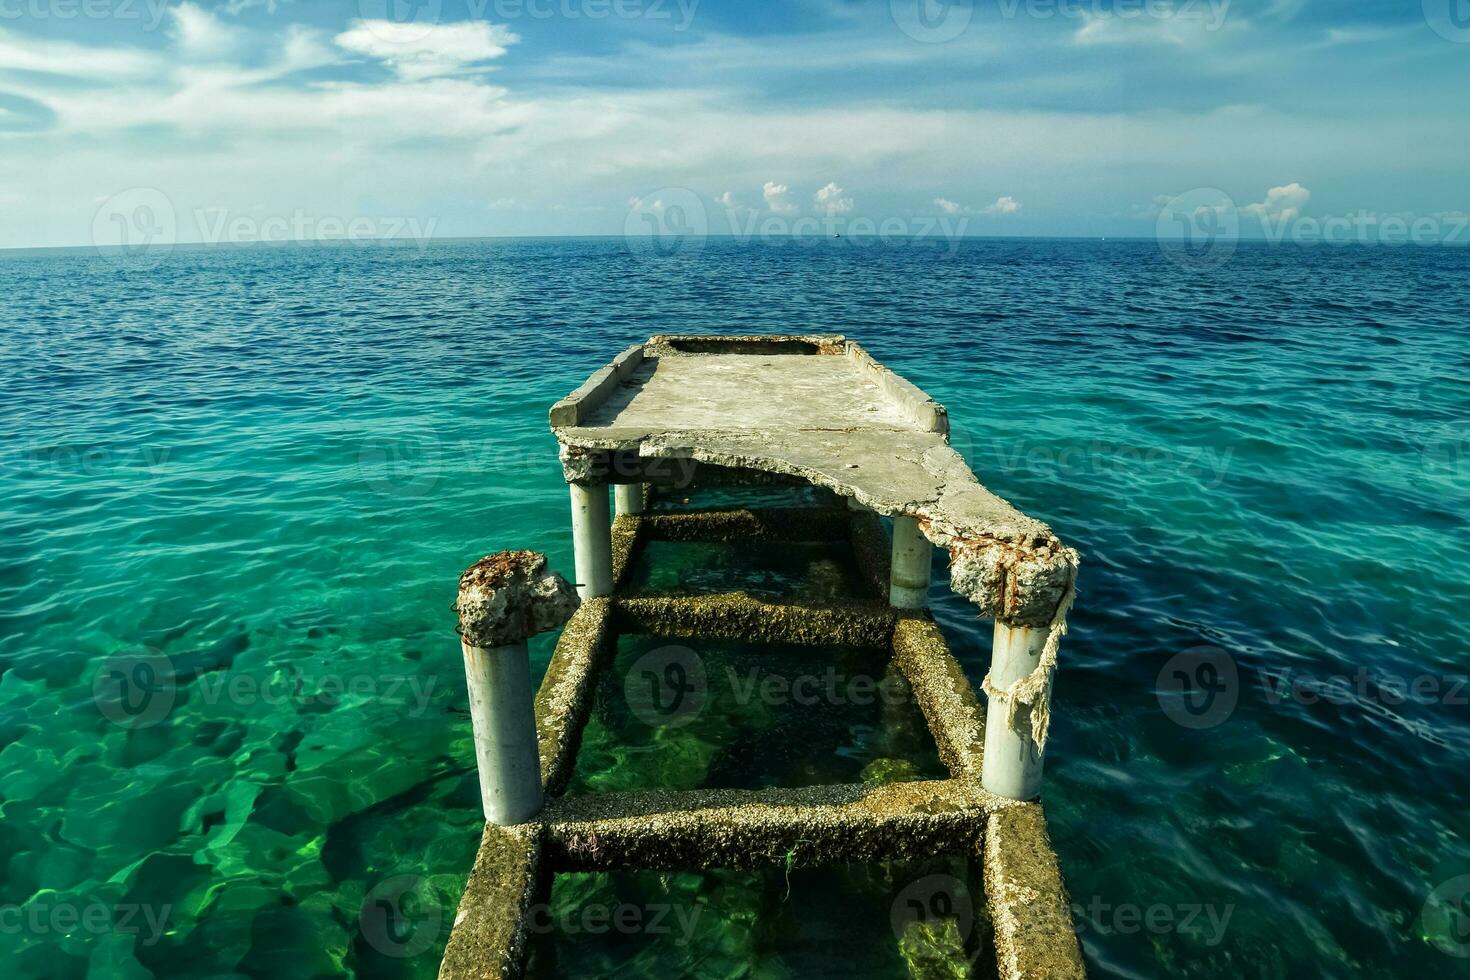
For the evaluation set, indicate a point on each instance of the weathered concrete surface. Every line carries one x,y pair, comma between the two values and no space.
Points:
509,597
841,422
739,616
488,941
567,691
755,828
1034,933
955,716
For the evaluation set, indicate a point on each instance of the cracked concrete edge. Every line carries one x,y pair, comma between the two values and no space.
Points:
576,406
757,828
739,616
565,698
491,927
954,714
1009,565
1034,932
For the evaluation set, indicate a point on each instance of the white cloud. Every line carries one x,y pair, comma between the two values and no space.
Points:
1284,203
829,200
21,52
778,200
946,206
419,51
199,34
1004,205
727,201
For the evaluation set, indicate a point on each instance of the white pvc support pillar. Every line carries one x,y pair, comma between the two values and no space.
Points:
909,573
1012,764
629,497
504,600
592,540
504,719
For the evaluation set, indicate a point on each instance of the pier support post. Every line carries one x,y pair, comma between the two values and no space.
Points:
1012,761
629,498
909,573
504,600
592,539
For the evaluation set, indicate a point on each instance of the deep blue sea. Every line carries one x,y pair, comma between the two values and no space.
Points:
267,466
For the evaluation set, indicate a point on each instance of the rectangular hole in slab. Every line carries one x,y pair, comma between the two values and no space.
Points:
735,495
889,919
718,345
720,714
777,571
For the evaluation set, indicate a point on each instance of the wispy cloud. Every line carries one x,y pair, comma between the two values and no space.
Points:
418,51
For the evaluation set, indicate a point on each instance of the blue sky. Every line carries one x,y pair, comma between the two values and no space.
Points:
271,118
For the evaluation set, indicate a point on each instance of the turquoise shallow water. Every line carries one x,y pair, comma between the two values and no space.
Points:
267,466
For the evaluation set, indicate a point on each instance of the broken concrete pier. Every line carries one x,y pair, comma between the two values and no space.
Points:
678,413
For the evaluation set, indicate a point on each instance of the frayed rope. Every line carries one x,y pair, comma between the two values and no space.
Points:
1034,690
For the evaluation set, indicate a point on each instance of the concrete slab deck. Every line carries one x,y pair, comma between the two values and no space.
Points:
819,408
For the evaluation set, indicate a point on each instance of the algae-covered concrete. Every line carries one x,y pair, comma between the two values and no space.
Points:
565,697
1034,932
748,524
821,409
488,941
757,828
739,616
955,715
